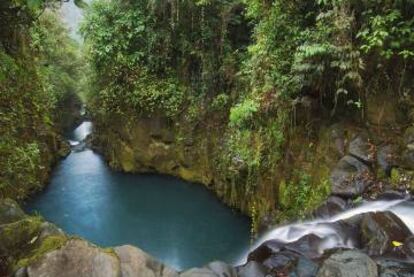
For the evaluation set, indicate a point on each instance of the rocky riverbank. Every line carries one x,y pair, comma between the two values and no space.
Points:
30,246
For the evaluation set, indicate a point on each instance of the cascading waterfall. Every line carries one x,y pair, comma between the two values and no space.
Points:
331,234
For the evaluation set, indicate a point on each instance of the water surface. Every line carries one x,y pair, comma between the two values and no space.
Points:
181,223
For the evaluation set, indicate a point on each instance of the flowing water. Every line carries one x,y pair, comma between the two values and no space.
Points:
333,235
180,223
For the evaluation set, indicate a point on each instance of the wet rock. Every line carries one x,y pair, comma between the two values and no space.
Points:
294,257
306,268
283,261
348,263
392,195
10,211
408,247
350,177
77,258
252,269
332,206
136,263
391,268
387,156
361,148
222,269
379,230
81,146
198,272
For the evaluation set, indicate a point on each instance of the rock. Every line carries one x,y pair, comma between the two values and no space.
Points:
135,262
252,269
387,158
348,263
391,268
21,272
350,177
283,261
379,230
76,258
294,257
222,269
330,207
391,195
14,237
199,272
361,148
49,229
408,247
306,268
10,211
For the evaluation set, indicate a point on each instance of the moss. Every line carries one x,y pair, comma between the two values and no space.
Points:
47,245
16,237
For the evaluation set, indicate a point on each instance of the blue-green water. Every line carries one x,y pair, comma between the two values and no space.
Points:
180,223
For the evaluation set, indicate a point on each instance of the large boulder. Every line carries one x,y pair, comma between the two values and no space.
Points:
350,177
379,230
77,258
10,211
348,263
294,257
137,263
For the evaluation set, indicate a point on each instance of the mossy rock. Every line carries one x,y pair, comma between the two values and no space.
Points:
50,243
10,211
16,237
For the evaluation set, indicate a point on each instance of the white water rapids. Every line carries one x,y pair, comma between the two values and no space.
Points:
331,233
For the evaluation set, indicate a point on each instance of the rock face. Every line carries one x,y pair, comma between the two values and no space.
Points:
136,263
349,263
76,258
350,177
379,230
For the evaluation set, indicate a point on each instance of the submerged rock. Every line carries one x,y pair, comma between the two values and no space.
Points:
348,263
77,258
350,177
379,231
137,263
